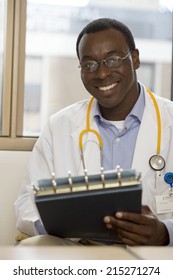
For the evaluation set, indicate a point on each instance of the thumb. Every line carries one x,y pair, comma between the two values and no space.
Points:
146,209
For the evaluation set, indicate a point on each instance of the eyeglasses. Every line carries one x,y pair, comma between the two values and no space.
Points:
111,62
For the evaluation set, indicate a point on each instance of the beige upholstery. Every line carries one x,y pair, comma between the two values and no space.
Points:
12,168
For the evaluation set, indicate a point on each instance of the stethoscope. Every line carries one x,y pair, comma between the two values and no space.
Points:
156,161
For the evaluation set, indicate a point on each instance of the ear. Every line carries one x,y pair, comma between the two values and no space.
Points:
135,58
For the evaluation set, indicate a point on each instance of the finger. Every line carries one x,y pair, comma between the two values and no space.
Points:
106,219
121,224
136,218
126,226
129,242
131,239
109,226
146,209
126,238
131,233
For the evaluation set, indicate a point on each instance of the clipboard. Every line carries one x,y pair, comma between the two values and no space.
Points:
74,207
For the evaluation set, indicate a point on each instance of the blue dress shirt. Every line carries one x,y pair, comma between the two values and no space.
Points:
119,144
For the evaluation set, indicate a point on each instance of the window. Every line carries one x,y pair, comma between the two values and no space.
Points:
44,63
3,11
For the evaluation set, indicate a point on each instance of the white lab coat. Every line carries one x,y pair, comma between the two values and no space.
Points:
57,150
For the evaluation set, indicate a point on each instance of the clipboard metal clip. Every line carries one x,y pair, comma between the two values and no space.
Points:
119,170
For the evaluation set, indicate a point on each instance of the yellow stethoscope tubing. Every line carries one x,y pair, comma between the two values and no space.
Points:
158,121
88,128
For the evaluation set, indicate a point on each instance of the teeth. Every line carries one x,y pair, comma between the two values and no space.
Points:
108,87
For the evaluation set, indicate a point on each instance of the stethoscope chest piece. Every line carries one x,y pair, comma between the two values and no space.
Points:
156,162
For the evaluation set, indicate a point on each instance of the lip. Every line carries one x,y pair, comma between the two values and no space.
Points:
108,87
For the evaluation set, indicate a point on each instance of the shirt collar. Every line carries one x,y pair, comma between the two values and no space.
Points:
137,110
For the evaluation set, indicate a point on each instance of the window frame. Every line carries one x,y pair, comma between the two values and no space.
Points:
14,71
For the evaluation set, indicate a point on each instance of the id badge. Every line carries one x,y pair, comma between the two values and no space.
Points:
164,204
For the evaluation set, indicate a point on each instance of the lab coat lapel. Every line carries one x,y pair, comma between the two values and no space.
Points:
146,145
90,143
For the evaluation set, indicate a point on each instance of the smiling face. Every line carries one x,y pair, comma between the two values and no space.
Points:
115,89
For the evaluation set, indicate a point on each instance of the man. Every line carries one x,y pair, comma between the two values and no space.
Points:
124,115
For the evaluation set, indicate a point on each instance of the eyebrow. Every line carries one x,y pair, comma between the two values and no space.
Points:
87,57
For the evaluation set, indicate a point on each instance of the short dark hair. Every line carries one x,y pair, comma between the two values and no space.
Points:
103,24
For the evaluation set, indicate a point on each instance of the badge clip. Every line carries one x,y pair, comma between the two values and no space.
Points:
169,180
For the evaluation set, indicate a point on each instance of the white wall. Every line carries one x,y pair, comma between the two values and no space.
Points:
12,168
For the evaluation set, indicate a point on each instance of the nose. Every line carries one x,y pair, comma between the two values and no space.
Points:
102,71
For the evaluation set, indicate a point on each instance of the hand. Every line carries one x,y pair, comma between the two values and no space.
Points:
138,229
